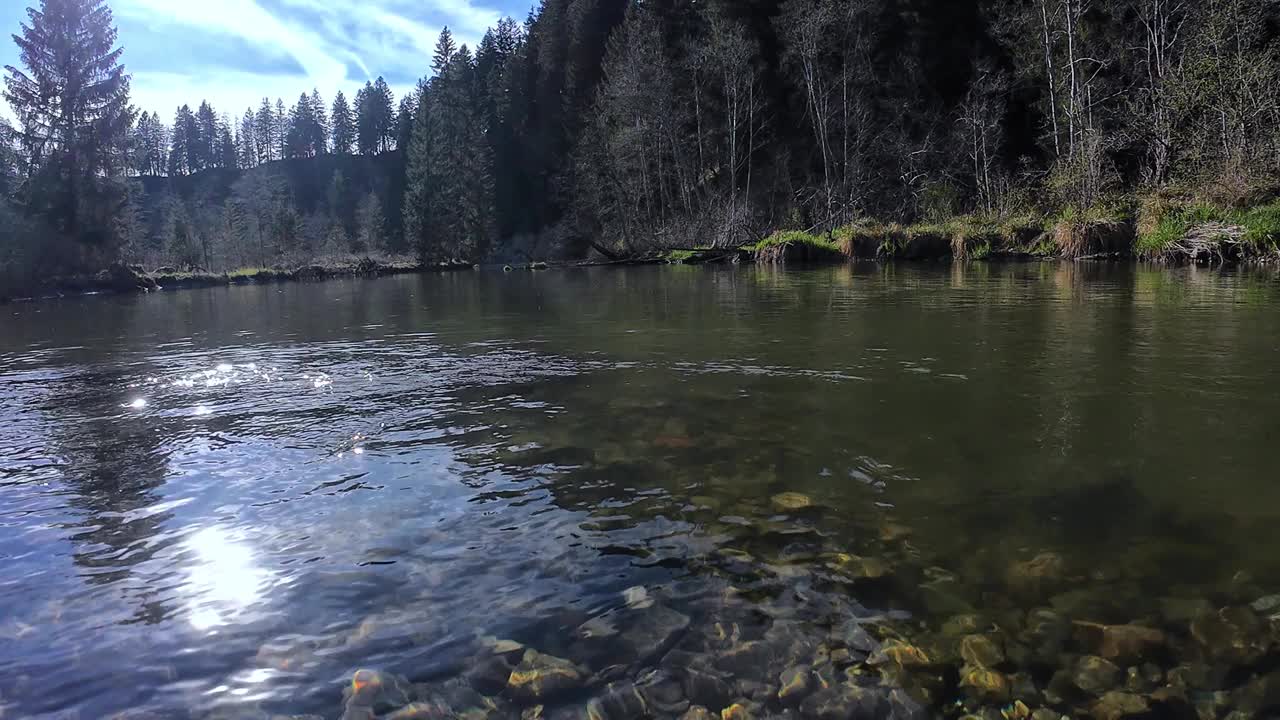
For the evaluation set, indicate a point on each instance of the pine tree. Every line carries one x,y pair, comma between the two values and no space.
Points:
301,129
247,140
281,131
343,126
227,155
265,132
366,120
448,192
445,48
206,153
184,138
404,122
320,136
72,105
384,113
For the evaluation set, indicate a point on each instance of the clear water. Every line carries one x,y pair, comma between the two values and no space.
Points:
225,501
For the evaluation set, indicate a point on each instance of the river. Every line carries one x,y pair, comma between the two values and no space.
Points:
224,502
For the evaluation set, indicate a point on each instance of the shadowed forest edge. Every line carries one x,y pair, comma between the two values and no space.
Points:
668,129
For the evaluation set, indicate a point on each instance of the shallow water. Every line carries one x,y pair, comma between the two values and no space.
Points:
225,501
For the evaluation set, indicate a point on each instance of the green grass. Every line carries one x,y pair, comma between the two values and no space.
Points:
1170,224
1262,226
784,238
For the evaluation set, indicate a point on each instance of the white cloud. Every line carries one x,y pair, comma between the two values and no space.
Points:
230,92
323,37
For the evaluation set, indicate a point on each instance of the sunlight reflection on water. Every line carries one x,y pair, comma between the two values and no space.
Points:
224,579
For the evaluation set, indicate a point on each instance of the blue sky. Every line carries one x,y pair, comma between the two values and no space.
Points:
235,52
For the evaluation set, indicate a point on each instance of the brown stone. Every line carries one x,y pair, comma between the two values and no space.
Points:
1120,643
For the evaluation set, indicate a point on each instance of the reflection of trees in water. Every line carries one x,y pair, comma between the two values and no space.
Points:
115,463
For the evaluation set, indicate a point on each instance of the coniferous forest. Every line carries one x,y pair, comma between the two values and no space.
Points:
610,128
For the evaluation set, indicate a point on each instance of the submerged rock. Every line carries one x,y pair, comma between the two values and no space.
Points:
1094,675
856,567
697,712
791,501
1235,635
964,624
901,654
421,711
1117,705
737,711
985,685
794,684
980,651
1037,576
375,691
619,701
1120,643
845,702
539,677
1046,634
702,684
663,691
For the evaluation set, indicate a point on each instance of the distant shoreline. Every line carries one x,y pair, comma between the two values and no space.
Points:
958,240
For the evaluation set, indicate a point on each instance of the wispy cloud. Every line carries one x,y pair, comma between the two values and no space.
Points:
235,52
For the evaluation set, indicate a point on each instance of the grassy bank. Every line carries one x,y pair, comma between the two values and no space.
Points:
1154,229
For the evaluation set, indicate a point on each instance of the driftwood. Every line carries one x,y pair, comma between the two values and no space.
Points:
1211,242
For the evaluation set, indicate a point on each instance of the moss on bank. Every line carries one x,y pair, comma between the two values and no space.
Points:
793,245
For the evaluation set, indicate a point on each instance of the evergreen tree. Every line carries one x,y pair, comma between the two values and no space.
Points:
445,49
366,121
247,140
184,138
448,192
302,129
404,121
384,112
207,134
72,106
319,139
265,132
343,126
227,155
281,130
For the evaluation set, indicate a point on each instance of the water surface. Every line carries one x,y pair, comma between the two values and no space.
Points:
228,500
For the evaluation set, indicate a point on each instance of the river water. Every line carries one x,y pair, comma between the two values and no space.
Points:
224,502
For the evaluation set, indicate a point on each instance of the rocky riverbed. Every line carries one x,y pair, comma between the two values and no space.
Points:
786,625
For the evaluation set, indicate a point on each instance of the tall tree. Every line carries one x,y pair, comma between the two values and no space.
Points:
366,121
449,189
182,138
247,140
281,130
72,105
342,126
207,134
265,127
384,106
320,131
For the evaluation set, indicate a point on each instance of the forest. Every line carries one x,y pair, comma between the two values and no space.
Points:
613,128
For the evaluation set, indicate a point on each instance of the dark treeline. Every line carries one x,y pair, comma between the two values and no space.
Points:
615,126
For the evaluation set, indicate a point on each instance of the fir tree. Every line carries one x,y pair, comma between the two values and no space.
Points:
265,132
72,106
281,130
320,131
342,126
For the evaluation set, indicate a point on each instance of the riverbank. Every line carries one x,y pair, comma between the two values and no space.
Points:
131,278
1164,230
